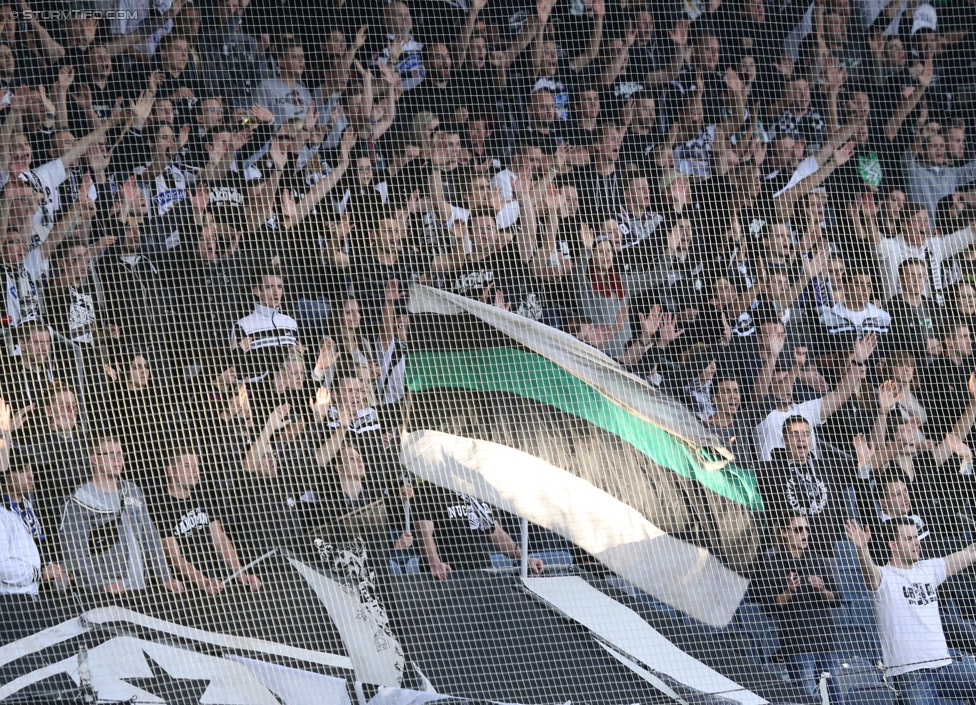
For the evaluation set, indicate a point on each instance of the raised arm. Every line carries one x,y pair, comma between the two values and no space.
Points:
536,51
679,37
907,105
954,243
124,42
954,445
10,126
80,146
640,344
775,345
6,417
965,422
812,267
835,79
319,191
435,181
596,36
367,78
539,264
4,211
837,139
83,208
52,51
328,450
959,561
852,378
345,63
259,459
865,230
615,65
861,538
501,60
66,77
459,51
731,125
527,244
392,80
788,200
888,396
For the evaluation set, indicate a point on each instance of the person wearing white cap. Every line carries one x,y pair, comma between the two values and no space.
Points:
924,17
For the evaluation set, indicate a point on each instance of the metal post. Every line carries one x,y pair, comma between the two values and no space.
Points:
824,695
525,548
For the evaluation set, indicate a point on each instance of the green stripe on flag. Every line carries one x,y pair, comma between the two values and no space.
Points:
534,377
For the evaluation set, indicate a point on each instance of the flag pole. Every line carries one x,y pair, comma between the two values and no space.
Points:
406,506
524,541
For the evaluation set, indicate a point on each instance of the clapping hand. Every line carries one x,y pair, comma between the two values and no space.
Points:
864,347
889,394
957,446
817,583
9,421
321,403
651,323
669,331
792,582
865,452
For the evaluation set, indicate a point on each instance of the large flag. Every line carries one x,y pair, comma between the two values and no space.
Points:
539,424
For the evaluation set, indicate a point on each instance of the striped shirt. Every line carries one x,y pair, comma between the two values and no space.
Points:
272,335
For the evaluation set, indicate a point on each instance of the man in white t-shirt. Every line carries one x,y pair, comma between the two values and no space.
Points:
916,656
769,432
916,241
46,178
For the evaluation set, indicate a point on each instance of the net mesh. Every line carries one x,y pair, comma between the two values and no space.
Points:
590,351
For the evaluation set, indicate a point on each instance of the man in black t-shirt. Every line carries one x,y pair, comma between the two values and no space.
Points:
458,532
498,268
193,538
914,316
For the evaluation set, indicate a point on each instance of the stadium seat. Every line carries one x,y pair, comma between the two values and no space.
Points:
870,694
762,629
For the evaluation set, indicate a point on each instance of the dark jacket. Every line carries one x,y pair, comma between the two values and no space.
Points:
911,327
137,301
815,491
208,298
805,621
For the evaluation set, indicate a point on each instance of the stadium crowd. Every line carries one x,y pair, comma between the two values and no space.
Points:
211,214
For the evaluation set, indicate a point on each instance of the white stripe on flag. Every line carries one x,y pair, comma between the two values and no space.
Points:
626,631
684,576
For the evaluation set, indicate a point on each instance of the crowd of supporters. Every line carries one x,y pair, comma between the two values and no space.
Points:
212,212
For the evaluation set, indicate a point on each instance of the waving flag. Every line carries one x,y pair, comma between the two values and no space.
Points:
544,426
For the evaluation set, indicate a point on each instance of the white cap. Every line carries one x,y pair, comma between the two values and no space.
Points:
924,18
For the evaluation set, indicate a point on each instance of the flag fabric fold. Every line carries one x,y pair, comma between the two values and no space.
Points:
540,424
